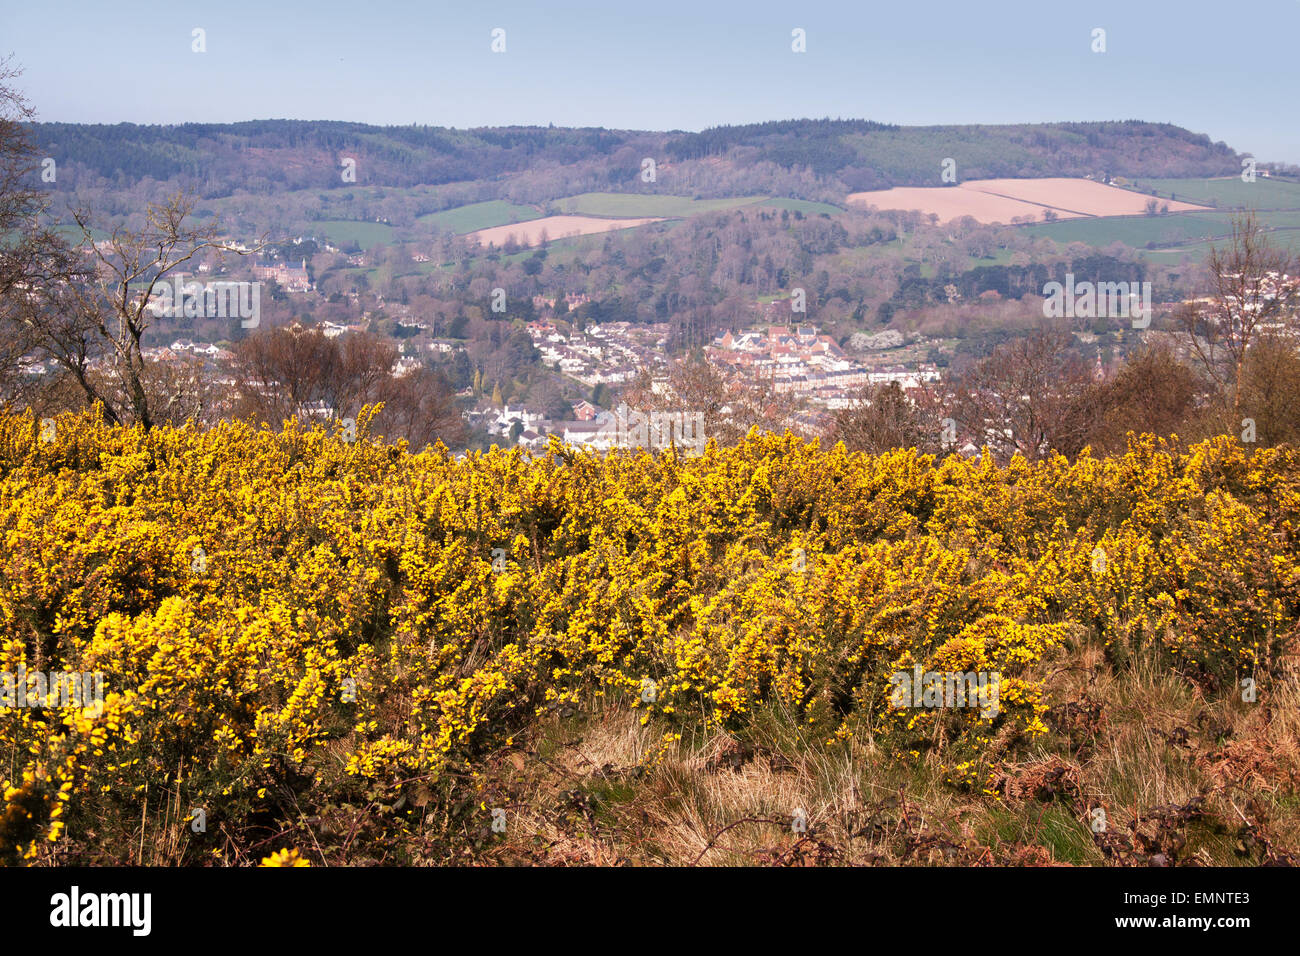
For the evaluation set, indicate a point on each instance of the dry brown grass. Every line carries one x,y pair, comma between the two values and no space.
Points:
1183,780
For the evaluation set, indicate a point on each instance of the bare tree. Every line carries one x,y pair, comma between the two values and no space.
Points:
111,311
32,255
1270,391
884,417
1032,396
730,407
285,373
421,408
87,309
364,363
1254,292
1153,393
299,373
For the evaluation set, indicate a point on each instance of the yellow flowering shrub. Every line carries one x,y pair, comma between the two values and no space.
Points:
290,621
285,858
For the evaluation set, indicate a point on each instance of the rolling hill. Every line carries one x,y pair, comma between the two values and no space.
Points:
269,156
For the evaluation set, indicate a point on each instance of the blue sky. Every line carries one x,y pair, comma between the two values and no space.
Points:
1221,69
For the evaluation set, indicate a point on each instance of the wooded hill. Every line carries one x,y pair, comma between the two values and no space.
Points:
273,155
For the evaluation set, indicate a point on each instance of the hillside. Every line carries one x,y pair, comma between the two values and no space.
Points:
271,155
867,155
275,155
374,657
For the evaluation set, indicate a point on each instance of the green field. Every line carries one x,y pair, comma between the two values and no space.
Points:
1227,193
1188,231
638,205
805,206
1136,231
365,234
1169,239
1281,238
479,215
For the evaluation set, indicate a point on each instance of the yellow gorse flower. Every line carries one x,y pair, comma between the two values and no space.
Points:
364,617
285,857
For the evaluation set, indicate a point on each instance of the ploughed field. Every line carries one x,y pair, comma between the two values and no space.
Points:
553,227
1016,200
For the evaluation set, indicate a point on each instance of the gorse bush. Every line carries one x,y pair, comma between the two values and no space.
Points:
288,622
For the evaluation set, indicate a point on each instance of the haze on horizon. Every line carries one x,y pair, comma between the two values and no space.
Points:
671,65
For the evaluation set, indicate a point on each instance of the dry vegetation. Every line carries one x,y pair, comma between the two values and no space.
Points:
328,643
1183,781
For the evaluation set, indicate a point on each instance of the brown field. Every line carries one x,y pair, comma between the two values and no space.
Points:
952,203
1007,200
1082,196
556,227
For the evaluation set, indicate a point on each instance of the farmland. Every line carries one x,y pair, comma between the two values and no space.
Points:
1228,192
1276,202
949,204
1010,200
1137,231
648,205
364,234
1083,197
479,215
1197,251
807,207
553,227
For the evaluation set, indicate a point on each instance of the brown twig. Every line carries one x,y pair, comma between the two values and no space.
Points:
709,846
